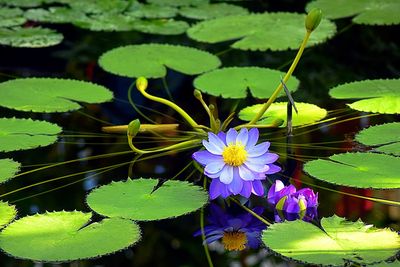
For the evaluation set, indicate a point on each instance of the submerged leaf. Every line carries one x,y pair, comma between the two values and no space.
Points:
234,82
29,37
65,236
336,243
212,11
7,213
308,113
379,96
50,94
133,199
8,167
274,31
150,60
385,136
361,170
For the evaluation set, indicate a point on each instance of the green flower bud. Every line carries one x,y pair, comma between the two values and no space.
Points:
141,83
133,128
313,19
197,94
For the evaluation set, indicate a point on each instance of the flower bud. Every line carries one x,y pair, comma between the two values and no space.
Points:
141,83
133,128
197,94
313,19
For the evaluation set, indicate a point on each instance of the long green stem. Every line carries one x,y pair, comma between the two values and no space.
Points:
285,79
134,105
251,212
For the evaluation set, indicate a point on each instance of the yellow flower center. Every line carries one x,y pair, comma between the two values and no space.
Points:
234,240
234,155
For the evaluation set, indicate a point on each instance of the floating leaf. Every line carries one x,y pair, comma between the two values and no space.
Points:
10,17
22,3
178,2
370,12
274,31
19,134
380,96
361,170
8,167
54,15
139,10
132,199
386,136
234,82
106,22
161,26
50,94
150,60
7,213
65,236
212,11
308,113
29,37
338,242
99,6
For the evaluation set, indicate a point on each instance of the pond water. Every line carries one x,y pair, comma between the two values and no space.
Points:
90,158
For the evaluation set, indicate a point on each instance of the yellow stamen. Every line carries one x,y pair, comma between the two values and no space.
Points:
234,240
234,155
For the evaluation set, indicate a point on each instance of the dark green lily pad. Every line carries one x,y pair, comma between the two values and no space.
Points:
337,242
50,94
161,26
8,167
66,236
10,17
132,199
54,15
7,213
234,82
99,6
361,170
139,10
178,3
378,96
151,60
29,37
106,22
273,31
385,137
212,11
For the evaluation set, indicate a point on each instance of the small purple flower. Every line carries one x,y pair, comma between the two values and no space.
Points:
307,215
236,230
289,200
235,163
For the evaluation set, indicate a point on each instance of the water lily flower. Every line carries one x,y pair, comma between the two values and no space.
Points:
236,230
307,215
288,199
236,163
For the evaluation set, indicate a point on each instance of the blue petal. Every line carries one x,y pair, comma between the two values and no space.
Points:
204,157
236,185
226,174
212,138
242,137
211,147
222,136
215,188
246,189
253,138
245,173
256,167
214,167
258,188
258,150
231,136
273,169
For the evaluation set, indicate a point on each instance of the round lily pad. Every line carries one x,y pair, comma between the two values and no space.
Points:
308,113
54,15
29,37
379,96
19,134
161,26
235,82
132,199
10,17
212,11
139,10
385,137
66,236
106,22
8,167
7,213
338,242
361,170
151,60
273,31
50,94
178,3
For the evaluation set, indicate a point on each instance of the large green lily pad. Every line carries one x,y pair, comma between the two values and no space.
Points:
385,137
379,96
10,17
161,26
7,213
212,11
132,199
361,170
139,10
66,236
273,31
8,167
54,15
151,60
29,37
235,82
19,134
308,113
50,94
337,242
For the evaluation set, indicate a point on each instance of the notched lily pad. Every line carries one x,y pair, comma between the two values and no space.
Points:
212,11
66,236
336,243
29,37
8,167
132,199
50,94
151,60
361,170
7,213
234,82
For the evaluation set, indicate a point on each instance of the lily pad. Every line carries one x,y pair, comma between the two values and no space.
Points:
139,10
234,82
22,3
212,11
29,37
132,199
361,170
99,6
54,15
337,242
273,31
66,236
106,22
370,12
10,17
308,113
385,136
8,167
161,26
178,3
151,60
50,94
378,96
7,213
19,134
